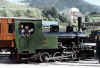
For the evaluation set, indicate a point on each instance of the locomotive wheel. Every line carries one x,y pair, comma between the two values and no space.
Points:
75,56
44,57
57,54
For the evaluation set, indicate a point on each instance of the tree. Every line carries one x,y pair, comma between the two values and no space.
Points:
50,13
62,18
54,12
3,13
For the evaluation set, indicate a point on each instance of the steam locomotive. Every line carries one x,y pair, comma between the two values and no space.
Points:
24,39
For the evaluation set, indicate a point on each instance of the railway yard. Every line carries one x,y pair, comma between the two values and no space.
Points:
29,41
54,38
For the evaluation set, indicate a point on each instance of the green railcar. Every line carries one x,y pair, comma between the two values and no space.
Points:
35,42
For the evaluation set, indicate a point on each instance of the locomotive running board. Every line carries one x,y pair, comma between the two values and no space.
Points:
59,57
5,54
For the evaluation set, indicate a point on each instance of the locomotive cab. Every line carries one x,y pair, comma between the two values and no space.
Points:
31,41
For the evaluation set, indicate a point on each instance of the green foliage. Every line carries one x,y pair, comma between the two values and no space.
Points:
27,12
50,12
8,9
62,18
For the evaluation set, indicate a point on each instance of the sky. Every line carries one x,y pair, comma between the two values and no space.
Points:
14,0
95,2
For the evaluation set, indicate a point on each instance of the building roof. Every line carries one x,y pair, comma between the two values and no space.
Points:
26,18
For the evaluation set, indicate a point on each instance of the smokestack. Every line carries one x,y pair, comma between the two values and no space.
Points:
79,23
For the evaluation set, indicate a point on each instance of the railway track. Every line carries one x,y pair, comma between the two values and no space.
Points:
4,59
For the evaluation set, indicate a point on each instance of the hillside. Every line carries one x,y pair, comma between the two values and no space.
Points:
63,4
6,4
9,9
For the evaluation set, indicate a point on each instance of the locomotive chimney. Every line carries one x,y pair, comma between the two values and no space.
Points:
79,23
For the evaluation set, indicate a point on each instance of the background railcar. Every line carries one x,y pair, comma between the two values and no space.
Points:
6,33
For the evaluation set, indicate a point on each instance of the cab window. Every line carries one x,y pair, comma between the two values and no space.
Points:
26,29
